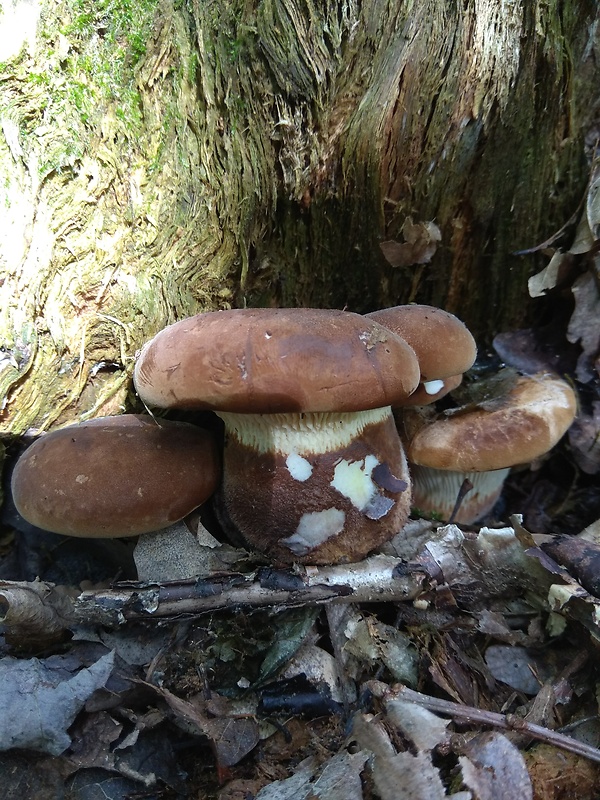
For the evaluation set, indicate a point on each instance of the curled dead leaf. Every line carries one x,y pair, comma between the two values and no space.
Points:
421,241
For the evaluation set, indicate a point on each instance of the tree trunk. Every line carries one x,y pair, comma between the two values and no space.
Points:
161,158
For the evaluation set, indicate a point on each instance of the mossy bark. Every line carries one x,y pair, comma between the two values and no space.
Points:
162,158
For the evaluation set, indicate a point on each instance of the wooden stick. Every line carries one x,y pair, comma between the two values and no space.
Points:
506,722
36,606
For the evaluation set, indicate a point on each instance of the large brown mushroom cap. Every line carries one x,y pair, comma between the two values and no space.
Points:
266,361
115,476
443,344
515,428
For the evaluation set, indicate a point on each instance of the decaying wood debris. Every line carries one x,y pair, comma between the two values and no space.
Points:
490,564
487,718
437,578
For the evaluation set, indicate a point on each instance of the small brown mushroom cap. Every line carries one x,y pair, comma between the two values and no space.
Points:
515,428
442,343
266,361
115,476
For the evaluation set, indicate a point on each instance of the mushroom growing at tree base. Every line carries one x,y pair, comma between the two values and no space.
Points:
314,470
115,476
516,425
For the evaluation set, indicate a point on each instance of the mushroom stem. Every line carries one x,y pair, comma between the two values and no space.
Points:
436,490
296,485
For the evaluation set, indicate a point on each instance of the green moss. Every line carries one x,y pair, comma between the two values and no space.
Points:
421,513
108,40
122,22
89,74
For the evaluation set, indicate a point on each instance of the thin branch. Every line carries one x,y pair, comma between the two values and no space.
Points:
35,606
506,722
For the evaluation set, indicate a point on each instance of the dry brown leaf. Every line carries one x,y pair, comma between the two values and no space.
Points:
494,769
592,207
338,779
40,700
94,739
520,668
552,274
407,777
583,240
532,350
419,725
591,533
371,641
421,242
584,325
584,439
231,737
397,776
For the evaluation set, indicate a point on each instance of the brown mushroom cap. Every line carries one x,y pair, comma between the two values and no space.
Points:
115,476
269,360
443,344
513,429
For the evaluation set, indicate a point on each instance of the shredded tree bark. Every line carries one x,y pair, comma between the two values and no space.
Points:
162,158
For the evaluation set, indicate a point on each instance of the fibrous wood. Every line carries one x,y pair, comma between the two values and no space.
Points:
162,158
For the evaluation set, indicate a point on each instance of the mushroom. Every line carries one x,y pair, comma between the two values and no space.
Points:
314,470
115,476
482,442
443,345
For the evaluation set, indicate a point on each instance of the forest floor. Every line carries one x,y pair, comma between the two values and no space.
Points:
308,696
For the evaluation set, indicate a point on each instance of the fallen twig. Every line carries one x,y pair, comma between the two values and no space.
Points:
475,567
506,722
35,606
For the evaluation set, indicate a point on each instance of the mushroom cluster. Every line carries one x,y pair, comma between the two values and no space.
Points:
313,467
320,410
477,444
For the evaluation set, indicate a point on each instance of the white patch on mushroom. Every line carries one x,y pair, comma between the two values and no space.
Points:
314,528
82,478
352,479
299,468
433,387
